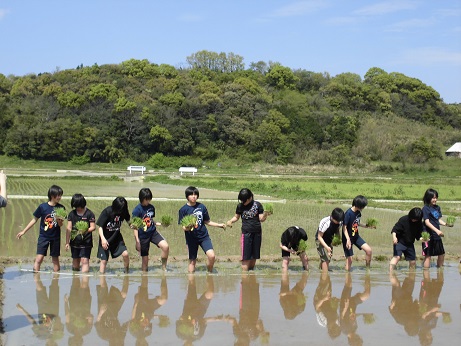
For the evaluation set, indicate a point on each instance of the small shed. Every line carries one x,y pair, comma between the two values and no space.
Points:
454,150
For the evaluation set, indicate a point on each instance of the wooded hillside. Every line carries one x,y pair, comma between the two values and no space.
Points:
215,108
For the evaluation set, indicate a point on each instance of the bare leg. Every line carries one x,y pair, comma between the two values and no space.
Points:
252,264
246,265
56,265
427,262
210,260
126,261
191,267
145,263
368,254
76,264
304,260
102,266
285,263
349,263
163,245
38,262
440,260
393,262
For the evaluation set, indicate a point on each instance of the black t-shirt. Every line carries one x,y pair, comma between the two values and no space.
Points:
250,216
287,241
111,225
87,240
406,231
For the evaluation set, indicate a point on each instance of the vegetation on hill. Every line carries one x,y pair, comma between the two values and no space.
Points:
215,109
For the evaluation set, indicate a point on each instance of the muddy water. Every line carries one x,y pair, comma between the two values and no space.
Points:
228,308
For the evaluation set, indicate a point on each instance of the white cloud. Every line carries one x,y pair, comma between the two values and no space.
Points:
3,12
410,23
299,8
385,8
430,56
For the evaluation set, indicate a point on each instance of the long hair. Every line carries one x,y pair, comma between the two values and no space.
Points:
245,195
120,208
428,195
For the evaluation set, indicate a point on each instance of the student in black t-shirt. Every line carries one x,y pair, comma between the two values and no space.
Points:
289,244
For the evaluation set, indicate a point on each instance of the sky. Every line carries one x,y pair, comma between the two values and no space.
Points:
419,38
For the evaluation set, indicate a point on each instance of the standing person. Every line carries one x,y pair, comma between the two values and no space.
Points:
432,215
50,229
148,232
252,214
3,195
289,244
329,226
110,236
198,235
82,243
404,233
351,232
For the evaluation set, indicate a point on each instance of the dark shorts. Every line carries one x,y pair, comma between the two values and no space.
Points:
435,248
155,238
322,252
193,244
80,252
3,202
250,245
55,247
407,250
115,251
359,242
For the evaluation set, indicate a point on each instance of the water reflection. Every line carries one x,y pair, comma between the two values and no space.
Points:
429,307
326,306
348,307
47,325
292,301
192,323
249,326
77,307
110,302
140,325
403,307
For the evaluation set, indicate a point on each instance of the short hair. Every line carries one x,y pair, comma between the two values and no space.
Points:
338,214
191,190
429,194
245,195
416,214
145,193
78,201
360,202
54,191
120,207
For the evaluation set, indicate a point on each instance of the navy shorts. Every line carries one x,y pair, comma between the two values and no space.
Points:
359,242
193,245
55,247
3,202
115,251
80,252
250,245
155,238
407,250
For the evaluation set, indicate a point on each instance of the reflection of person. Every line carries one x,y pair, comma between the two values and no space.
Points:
148,232
348,307
198,235
351,232
77,306
250,326
326,306
429,307
50,229
403,307
82,243
293,302
404,233
110,302
192,323
3,195
432,215
289,244
329,226
110,236
48,325
252,214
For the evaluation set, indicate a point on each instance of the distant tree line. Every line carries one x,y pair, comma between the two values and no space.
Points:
216,108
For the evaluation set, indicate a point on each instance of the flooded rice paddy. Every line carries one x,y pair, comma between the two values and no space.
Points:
231,308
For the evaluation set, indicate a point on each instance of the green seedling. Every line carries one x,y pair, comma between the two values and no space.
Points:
336,240
166,220
451,221
302,246
80,229
137,222
372,223
425,236
269,208
60,213
189,222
